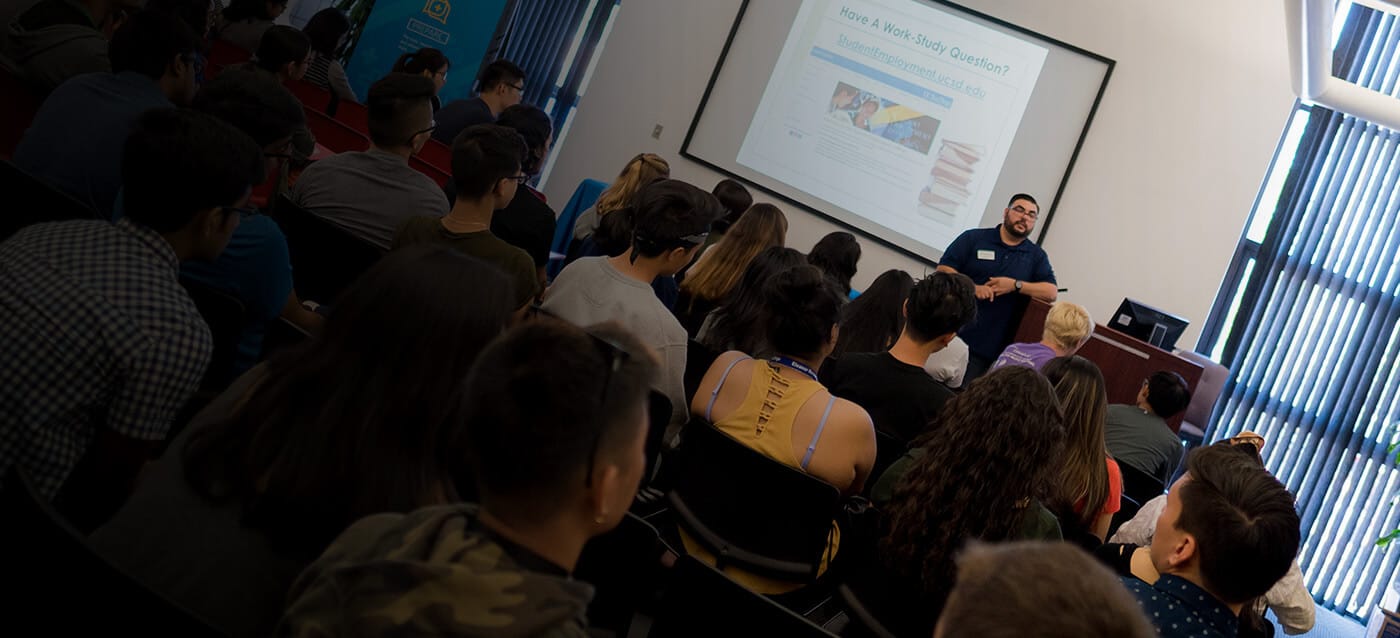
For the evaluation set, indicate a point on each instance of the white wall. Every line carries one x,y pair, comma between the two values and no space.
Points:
1163,185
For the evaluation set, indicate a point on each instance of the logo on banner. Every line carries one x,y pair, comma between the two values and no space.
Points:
438,10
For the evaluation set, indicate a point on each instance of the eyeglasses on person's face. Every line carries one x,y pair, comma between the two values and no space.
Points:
1025,212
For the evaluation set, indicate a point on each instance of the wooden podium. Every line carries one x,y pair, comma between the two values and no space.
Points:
1124,360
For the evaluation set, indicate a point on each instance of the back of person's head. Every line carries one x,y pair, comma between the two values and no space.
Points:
670,215
282,45
1048,590
763,227
735,199
534,127
366,418
255,103
482,156
802,308
150,41
553,412
939,305
1068,326
1083,482
326,30
426,59
837,255
1242,519
987,457
1167,393
737,324
639,171
400,109
239,10
179,163
194,13
874,320
497,73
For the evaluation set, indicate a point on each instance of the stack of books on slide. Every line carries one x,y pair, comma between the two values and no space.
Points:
951,178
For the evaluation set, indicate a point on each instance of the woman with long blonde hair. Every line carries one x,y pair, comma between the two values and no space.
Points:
641,170
1089,488
709,281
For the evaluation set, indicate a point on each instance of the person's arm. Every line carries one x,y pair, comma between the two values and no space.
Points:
296,313
674,383
339,83
862,441
1042,290
1291,602
1111,504
701,402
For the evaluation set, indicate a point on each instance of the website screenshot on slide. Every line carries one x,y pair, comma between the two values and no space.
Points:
895,111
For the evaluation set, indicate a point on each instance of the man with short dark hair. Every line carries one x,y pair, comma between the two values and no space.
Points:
892,386
1228,533
256,266
55,40
1009,270
370,193
1139,435
75,141
102,345
672,219
486,175
284,52
528,221
501,85
557,421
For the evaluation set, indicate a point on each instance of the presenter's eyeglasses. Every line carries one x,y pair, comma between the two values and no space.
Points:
1024,212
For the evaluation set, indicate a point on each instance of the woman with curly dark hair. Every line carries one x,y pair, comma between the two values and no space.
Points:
980,472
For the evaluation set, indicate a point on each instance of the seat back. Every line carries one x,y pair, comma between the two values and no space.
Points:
225,53
353,115
1208,389
227,319
624,568
749,510
63,588
437,154
583,198
698,359
888,449
1127,509
33,201
1139,485
311,96
701,601
17,110
438,176
325,258
863,621
334,135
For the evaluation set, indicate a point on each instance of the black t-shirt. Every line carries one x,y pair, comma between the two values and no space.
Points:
527,222
900,398
457,115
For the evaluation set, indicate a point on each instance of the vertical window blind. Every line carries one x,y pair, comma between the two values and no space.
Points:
1310,328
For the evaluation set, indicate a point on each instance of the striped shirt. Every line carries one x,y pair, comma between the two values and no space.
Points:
328,74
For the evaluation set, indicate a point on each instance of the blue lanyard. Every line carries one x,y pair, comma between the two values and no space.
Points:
796,365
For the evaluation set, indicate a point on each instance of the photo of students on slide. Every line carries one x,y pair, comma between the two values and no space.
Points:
843,98
894,122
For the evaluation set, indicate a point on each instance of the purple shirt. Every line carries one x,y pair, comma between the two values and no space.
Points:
1030,355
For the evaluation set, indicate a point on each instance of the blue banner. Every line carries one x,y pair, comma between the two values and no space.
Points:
460,28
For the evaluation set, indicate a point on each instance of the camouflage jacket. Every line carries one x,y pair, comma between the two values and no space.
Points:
429,573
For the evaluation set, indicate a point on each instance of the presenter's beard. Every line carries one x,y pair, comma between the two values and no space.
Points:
1019,229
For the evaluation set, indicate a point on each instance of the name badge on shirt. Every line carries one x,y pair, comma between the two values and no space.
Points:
987,255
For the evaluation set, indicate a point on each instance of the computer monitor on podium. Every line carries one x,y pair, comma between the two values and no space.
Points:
1154,326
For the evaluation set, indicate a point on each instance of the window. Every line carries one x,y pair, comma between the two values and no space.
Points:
1308,321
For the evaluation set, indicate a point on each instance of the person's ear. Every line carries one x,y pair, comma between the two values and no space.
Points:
606,481
1184,551
947,339
835,334
904,308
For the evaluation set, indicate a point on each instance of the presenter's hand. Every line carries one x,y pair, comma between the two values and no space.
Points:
1002,285
985,293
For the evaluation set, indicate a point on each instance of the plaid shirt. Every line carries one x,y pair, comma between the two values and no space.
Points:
95,330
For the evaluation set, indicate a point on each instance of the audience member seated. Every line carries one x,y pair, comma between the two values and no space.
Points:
527,222
1227,534
486,171
1138,435
554,469
949,365
55,40
837,255
1089,487
891,385
872,322
672,219
713,276
256,266
639,171
982,472
1289,598
434,65
360,421
1023,589
200,15
735,325
244,22
327,30
75,141
736,201
500,85
102,345
1067,328
371,193
778,406
284,55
